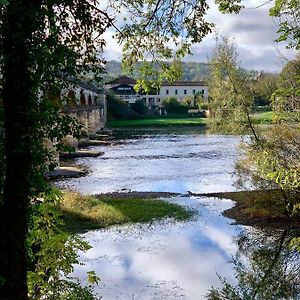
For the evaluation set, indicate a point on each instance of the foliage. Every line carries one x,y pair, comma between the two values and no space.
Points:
175,106
263,88
289,16
276,154
271,272
287,96
118,109
140,107
153,26
230,96
190,70
52,253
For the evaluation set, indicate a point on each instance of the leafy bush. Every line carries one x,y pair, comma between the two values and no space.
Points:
140,107
173,105
52,252
118,109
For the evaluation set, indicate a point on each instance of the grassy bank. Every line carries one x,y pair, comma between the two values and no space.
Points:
90,212
260,208
157,122
262,117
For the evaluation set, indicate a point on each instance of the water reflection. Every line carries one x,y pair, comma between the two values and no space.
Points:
164,260
266,267
182,260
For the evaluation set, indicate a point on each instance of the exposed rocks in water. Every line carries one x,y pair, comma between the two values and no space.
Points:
87,142
125,194
80,153
66,172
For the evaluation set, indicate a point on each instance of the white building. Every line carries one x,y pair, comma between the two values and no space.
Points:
123,87
179,90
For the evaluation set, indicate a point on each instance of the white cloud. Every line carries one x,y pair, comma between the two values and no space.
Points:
253,30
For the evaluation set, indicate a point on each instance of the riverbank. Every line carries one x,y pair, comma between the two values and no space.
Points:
258,118
82,213
265,209
159,122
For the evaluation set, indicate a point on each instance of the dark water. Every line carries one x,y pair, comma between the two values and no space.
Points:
175,260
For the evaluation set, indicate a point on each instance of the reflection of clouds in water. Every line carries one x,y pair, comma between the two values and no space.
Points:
202,163
166,259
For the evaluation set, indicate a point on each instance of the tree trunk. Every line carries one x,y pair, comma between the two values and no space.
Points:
18,102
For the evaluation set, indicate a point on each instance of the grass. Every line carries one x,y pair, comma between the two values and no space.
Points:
157,122
89,212
262,117
269,117
265,208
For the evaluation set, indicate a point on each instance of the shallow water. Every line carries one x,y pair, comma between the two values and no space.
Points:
167,260
164,163
163,260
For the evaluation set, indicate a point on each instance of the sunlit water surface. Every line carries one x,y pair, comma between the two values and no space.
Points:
196,163
163,260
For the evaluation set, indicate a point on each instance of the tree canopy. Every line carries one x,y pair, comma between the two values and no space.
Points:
41,42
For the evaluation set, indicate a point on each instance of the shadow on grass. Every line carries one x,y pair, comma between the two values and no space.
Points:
82,213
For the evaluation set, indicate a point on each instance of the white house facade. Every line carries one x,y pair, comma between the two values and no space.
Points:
123,87
179,90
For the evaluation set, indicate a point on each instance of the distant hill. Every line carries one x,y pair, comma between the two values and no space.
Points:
190,70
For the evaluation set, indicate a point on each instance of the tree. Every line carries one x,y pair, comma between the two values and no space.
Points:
174,106
287,97
230,95
271,270
289,21
140,107
263,88
42,42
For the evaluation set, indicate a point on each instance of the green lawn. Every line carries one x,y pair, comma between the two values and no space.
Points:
157,122
269,117
262,117
89,212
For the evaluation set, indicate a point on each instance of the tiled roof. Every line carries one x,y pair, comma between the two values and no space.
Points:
123,80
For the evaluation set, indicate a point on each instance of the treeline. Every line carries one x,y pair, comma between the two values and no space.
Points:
190,70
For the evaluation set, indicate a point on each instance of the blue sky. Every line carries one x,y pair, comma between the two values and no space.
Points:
253,31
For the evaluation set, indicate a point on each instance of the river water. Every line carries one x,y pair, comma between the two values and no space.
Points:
162,163
164,260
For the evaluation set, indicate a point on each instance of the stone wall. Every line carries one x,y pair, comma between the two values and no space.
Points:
93,118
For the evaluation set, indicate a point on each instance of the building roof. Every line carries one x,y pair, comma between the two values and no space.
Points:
185,83
132,81
123,80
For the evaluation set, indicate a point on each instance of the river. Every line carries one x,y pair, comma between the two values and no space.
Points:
164,260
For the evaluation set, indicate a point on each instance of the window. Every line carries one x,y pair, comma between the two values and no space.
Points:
167,92
158,100
176,92
202,92
194,92
184,91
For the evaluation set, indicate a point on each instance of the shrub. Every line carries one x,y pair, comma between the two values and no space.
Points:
172,105
140,107
118,109
52,252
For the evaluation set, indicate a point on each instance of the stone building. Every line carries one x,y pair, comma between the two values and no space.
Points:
87,103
